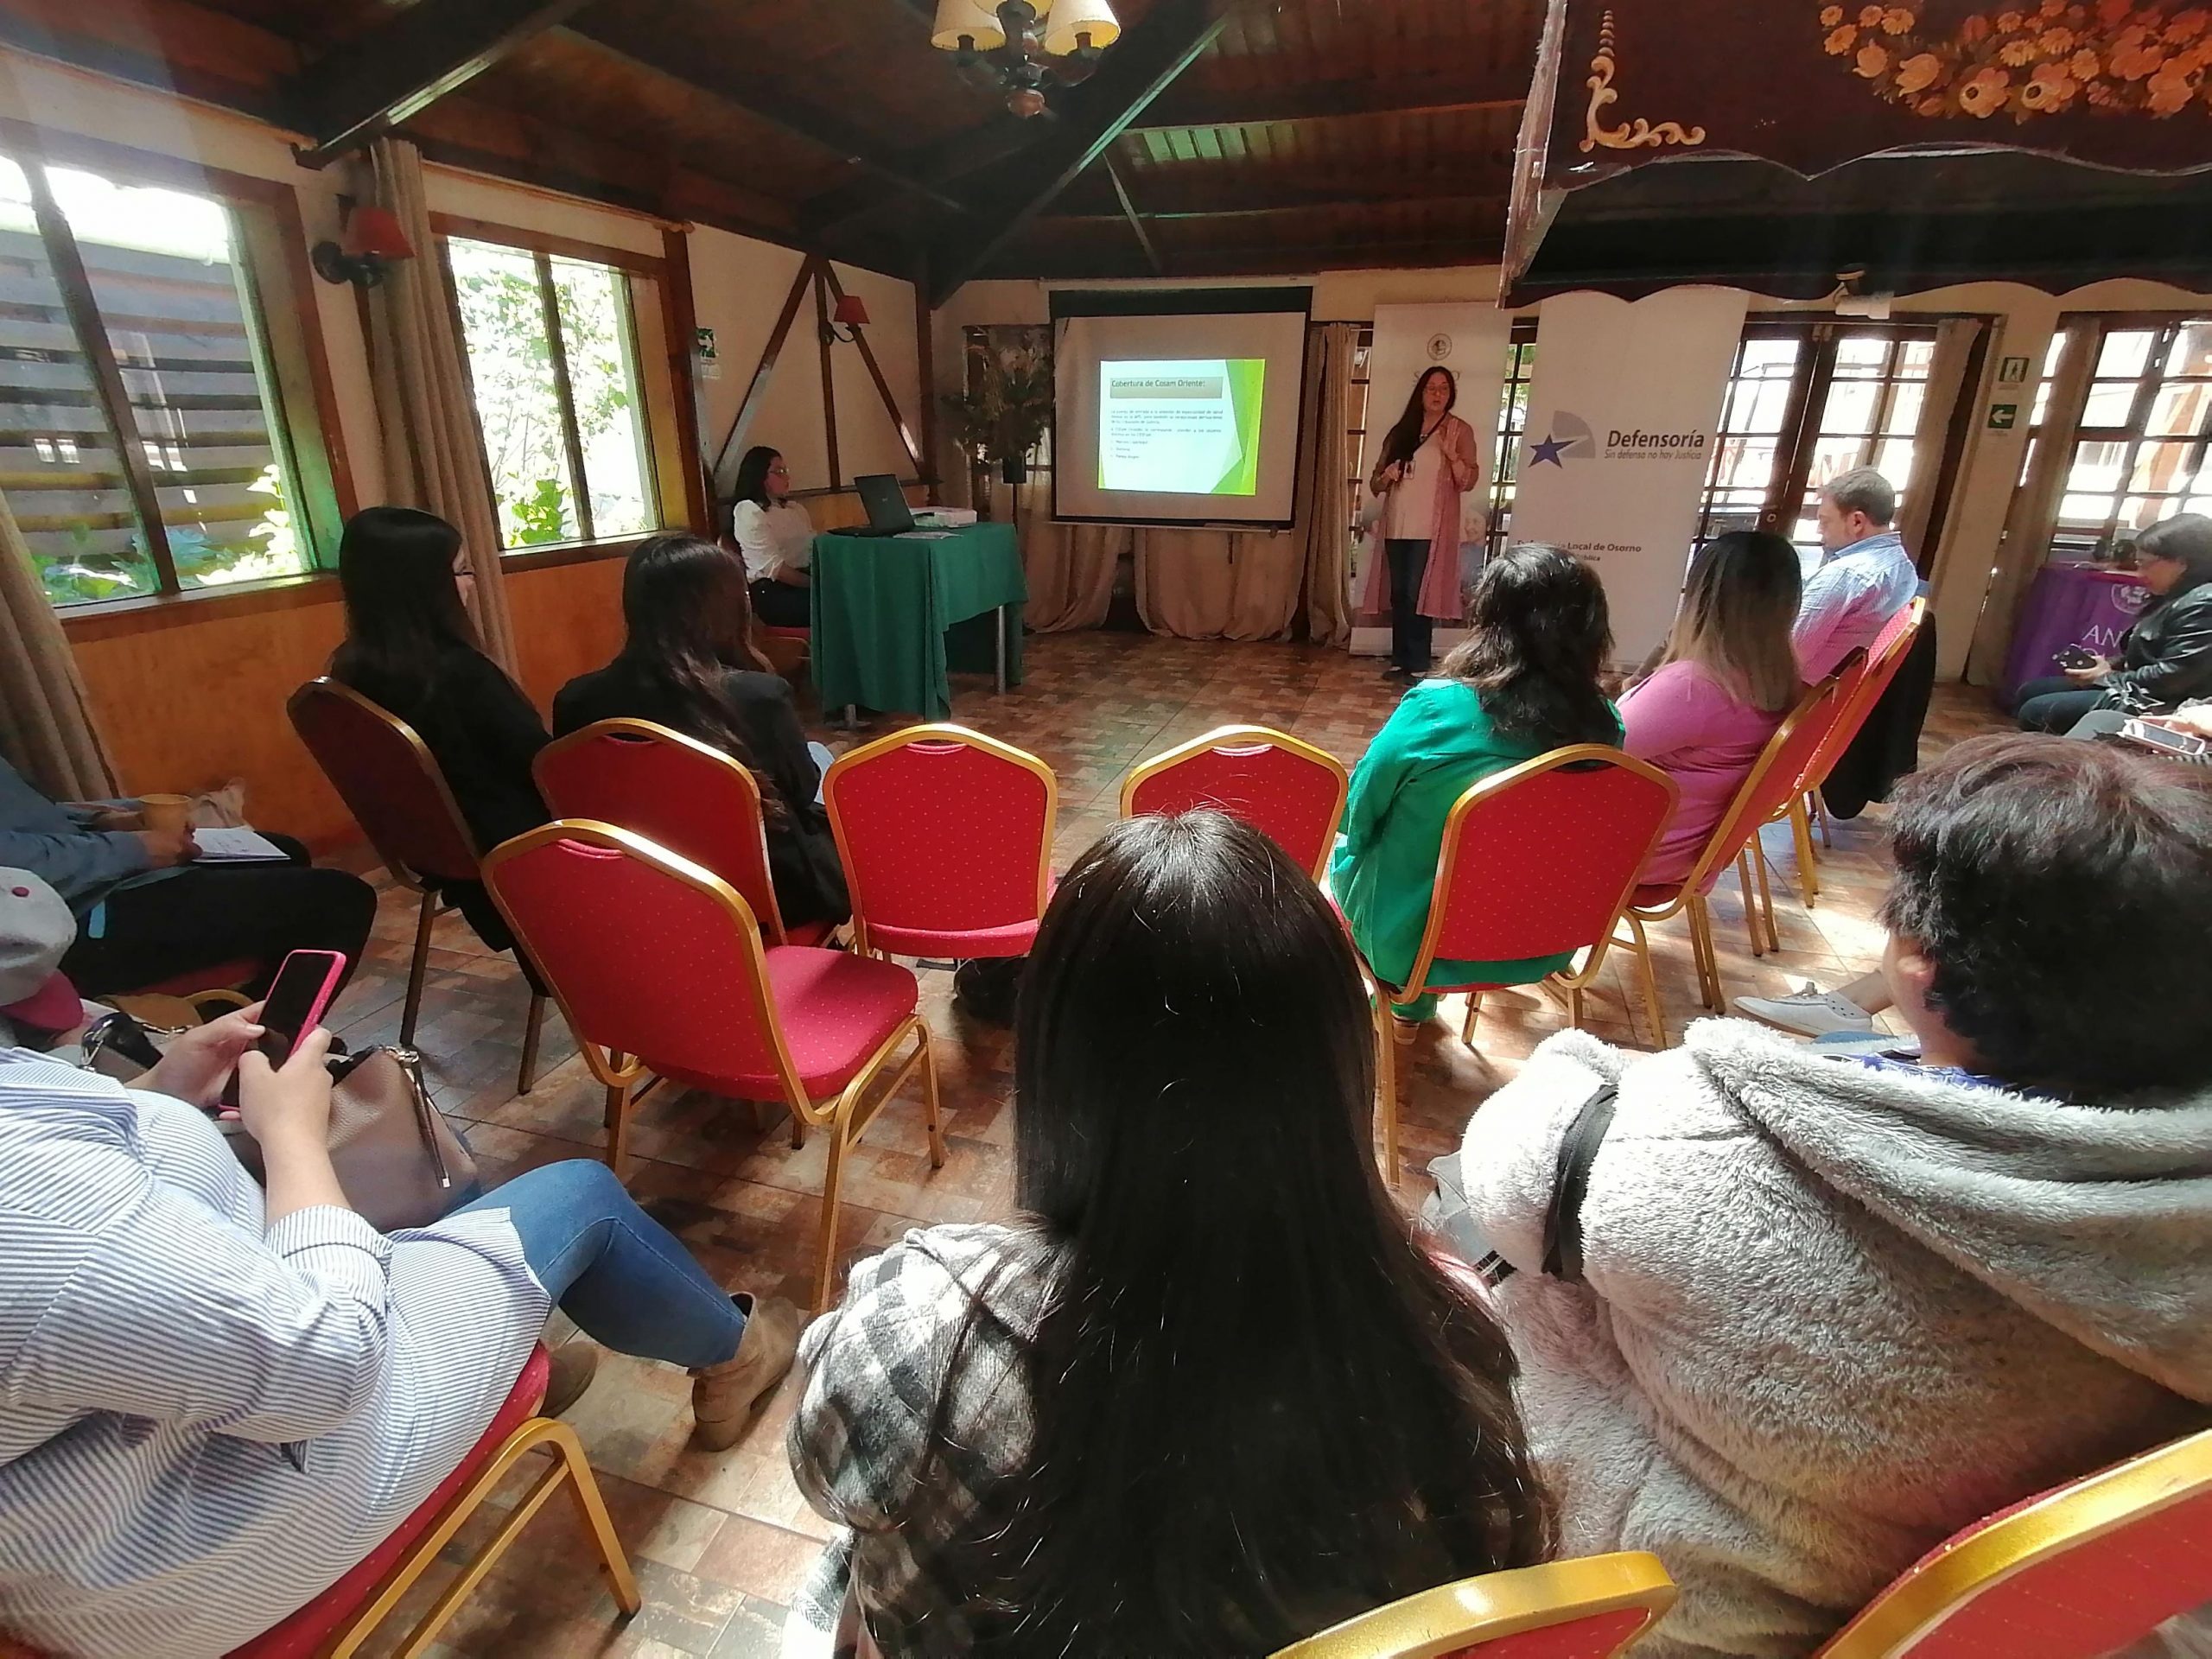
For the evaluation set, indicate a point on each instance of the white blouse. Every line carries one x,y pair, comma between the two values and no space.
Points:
773,538
204,1420
1413,504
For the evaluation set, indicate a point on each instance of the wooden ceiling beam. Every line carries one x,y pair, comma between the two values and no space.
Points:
1249,204
1200,190
1292,259
1140,66
1192,105
401,67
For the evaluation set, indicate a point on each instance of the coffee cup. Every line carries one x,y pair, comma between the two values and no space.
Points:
165,814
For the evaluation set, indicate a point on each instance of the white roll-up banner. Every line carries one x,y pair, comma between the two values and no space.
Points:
1624,415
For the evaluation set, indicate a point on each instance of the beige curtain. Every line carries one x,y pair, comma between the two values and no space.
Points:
1328,387
46,724
1069,567
432,457
1215,584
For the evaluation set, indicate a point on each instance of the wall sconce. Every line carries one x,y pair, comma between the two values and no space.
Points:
374,241
1017,35
851,313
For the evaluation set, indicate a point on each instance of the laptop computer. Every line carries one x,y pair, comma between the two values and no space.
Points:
887,512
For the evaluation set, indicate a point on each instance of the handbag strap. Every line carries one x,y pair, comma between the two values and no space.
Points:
1578,1150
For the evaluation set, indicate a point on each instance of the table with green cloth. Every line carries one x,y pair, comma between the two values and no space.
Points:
893,613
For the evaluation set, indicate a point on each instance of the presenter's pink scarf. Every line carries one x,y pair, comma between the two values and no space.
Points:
1440,582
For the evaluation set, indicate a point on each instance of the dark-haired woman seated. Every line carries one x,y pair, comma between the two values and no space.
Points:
1525,683
686,665
1209,1396
411,649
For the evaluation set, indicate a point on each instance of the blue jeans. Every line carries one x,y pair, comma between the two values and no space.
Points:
625,1279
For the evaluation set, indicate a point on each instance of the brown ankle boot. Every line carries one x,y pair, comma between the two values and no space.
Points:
724,1396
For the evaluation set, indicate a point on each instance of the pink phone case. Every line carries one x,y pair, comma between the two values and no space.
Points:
334,961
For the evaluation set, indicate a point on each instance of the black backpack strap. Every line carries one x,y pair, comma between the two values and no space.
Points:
1578,1150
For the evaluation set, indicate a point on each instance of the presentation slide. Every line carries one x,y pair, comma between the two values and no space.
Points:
1177,407
1181,427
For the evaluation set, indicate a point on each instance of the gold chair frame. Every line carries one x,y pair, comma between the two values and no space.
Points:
650,731
1892,1624
1570,985
845,1114
1244,737
1497,1605
941,732
427,911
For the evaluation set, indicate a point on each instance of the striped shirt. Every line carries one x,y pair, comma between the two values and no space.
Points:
204,1420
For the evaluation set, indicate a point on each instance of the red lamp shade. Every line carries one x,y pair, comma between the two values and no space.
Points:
375,230
851,312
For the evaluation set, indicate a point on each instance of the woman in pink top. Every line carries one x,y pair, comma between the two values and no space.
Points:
1729,675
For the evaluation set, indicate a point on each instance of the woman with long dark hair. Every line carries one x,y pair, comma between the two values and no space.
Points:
1210,1395
1729,675
1524,682
411,648
1428,462
686,665
776,538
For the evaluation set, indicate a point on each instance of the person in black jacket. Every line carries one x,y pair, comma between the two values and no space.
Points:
2166,658
411,649
685,665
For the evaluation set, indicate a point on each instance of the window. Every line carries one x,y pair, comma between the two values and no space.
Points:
2140,437
144,446
1512,421
553,370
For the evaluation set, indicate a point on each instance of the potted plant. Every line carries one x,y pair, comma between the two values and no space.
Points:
1007,406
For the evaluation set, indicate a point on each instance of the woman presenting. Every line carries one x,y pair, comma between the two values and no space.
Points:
1428,462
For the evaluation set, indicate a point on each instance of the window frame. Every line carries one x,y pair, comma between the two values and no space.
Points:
678,496
272,255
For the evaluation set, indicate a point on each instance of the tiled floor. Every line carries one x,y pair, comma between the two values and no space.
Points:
720,1541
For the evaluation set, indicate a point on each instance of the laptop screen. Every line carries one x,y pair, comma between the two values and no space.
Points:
884,501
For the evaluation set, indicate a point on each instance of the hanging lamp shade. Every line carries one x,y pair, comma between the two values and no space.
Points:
1072,19
973,20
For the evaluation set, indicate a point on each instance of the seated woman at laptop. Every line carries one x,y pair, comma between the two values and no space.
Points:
777,539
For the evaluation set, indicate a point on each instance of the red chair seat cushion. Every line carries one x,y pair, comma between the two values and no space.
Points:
305,1632
836,1009
1011,940
809,932
800,634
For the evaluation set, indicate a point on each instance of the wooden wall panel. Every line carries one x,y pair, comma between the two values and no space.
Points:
567,620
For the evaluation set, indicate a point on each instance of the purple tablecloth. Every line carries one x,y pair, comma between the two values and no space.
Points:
2084,605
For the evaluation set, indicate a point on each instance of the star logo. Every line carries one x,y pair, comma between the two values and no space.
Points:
1567,437
1550,450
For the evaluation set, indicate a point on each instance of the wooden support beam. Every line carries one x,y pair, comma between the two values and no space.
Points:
1189,105
683,365
1141,66
401,67
882,386
756,389
925,372
829,371
1137,222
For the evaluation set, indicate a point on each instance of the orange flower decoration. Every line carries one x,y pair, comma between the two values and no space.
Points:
1842,41
2112,13
2018,53
2056,42
1896,21
1984,92
2188,25
2171,89
1917,74
1873,58
2136,61
2048,90
1870,16
2011,23
2085,66
1974,30
1831,16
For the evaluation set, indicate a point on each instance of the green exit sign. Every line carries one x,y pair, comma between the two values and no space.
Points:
2003,418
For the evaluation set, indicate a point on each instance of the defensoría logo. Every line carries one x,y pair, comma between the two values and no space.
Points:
1567,437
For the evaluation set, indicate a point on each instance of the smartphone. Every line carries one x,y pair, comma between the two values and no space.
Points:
2075,657
2185,745
304,985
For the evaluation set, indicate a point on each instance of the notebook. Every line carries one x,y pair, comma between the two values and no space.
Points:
236,847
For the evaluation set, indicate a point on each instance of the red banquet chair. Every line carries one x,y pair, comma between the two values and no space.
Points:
1289,790
1597,1607
2084,1570
391,783
1537,860
659,966
1766,789
678,793
946,837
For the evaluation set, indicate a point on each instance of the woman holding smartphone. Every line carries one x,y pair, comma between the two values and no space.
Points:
216,1400
1427,463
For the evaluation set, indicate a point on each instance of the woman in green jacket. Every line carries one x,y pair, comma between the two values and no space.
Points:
1525,683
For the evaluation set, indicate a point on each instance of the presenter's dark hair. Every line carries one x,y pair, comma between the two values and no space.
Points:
1256,1404
689,618
753,475
1538,633
404,614
2062,889
1405,437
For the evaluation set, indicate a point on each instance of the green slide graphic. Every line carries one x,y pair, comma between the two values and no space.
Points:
1247,380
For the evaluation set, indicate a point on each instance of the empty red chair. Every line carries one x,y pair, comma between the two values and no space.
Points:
1287,790
659,965
389,781
678,793
1766,789
2082,1571
1597,1607
340,1620
946,837
1537,860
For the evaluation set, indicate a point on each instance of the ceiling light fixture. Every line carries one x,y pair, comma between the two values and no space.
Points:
1018,37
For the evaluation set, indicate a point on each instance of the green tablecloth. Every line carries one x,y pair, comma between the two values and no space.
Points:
882,606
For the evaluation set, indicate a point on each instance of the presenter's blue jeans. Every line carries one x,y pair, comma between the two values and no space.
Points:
1410,632
623,1278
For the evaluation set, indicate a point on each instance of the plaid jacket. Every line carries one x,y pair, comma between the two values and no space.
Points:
875,1368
